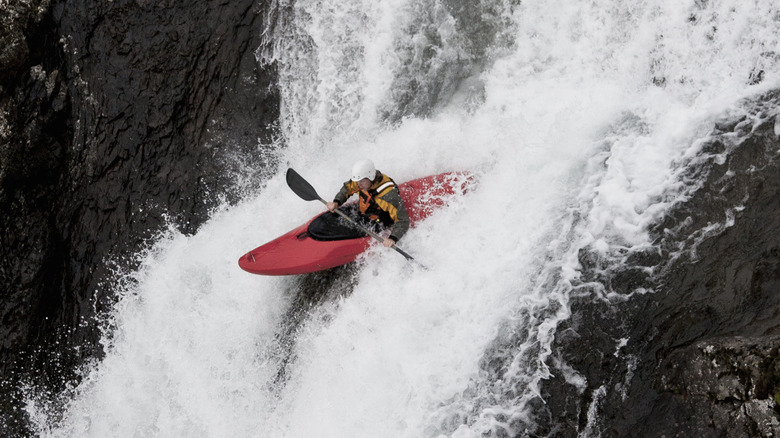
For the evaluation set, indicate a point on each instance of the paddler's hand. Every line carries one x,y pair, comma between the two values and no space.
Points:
332,206
388,242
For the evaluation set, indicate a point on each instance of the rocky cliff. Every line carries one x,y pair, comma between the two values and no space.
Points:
116,120
684,338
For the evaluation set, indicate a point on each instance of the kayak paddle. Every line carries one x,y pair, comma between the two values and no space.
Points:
306,192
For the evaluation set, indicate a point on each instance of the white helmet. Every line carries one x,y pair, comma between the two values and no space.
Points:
363,169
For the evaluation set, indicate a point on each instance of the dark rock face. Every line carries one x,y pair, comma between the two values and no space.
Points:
701,353
116,118
713,333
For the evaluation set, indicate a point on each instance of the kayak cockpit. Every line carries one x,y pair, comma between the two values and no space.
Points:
330,226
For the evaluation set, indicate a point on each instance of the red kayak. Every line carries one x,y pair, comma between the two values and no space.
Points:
327,241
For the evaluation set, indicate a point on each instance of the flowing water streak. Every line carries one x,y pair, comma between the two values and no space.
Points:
576,117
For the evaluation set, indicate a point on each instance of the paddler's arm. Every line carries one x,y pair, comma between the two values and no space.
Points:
401,225
339,199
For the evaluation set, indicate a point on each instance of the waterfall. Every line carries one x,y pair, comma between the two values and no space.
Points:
577,118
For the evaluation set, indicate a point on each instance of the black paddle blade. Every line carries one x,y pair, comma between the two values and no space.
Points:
301,187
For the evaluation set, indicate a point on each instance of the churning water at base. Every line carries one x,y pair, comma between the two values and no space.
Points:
577,119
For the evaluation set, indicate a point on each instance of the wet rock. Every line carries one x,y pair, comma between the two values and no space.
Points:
719,385
699,355
710,335
116,118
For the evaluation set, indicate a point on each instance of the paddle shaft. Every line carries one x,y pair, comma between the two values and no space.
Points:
369,232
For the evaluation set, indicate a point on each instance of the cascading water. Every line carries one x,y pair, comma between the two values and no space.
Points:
577,117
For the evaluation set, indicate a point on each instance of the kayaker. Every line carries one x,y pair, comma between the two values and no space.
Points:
380,202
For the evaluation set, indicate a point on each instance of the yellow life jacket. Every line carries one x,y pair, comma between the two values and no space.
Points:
371,203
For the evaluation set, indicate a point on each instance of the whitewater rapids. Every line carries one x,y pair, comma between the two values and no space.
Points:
576,118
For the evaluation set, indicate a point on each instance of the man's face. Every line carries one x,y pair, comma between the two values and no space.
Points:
364,184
